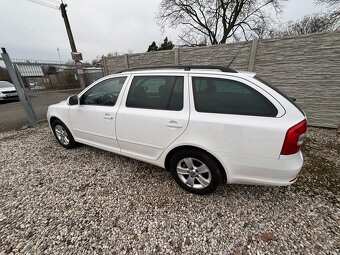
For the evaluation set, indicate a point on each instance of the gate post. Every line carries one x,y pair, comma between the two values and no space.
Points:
252,56
19,86
126,60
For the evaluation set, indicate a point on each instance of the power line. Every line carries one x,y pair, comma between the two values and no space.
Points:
45,4
62,8
76,56
53,1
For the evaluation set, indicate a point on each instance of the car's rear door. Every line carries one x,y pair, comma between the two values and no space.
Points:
153,113
243,118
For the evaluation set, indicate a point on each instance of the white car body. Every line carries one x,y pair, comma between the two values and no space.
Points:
248,147
7,91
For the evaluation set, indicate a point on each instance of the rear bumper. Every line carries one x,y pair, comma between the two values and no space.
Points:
262,171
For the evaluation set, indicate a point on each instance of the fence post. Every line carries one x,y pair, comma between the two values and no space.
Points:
81,77
104,65
19,86
24,90
126,60
176,56
252,56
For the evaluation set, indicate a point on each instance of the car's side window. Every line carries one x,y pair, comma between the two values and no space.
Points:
156,92
217,95
104,93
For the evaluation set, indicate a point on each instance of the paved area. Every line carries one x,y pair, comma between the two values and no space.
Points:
12,115
88,201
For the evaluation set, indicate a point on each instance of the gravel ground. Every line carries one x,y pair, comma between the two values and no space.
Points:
90,201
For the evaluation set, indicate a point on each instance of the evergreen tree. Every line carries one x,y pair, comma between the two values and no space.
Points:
166,45
153,47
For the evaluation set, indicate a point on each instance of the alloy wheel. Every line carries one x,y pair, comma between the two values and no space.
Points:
61,134
194,173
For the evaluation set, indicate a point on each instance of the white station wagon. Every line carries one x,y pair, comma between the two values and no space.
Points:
207,125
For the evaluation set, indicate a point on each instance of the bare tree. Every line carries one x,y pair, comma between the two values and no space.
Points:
330,3
214,21
4,75
314,23
114,54
117,53
333,11
307,25
129,51
96,60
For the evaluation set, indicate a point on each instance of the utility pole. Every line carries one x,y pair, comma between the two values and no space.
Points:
68,27
76,56
59,55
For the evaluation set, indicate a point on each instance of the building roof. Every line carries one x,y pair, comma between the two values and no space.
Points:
27,70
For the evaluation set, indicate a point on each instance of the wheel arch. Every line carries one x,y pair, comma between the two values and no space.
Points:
191,147
52,119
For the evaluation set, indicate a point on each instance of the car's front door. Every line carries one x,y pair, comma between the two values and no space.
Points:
154,112
93,120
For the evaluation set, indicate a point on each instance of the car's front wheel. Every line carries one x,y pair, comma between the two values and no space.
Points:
196,171
63,135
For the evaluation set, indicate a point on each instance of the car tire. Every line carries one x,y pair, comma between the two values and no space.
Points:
196,171
63,135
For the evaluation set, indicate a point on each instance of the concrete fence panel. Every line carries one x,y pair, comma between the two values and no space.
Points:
114,64
157,58
307,68
217,55
304,67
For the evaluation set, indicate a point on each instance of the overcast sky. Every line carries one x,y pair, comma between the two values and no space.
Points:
29,30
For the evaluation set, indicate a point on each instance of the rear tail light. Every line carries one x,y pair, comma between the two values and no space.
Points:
294,138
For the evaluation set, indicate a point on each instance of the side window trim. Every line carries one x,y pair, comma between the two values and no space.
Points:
280,110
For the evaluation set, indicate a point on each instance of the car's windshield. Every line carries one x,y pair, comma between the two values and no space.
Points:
5,84
290,99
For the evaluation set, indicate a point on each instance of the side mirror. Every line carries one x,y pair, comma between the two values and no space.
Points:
73,100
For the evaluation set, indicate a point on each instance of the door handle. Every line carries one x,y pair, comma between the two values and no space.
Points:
108,116
174,124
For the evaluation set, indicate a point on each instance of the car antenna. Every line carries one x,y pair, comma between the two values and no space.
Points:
237,54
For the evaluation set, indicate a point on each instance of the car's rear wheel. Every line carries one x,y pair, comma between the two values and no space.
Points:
63,135
195,171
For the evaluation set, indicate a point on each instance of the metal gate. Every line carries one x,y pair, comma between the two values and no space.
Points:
39,84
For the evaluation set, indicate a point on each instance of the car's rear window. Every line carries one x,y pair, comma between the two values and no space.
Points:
216,95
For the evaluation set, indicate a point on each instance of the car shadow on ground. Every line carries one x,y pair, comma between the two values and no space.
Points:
9,101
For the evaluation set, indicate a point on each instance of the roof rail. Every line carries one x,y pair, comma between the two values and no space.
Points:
185,67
